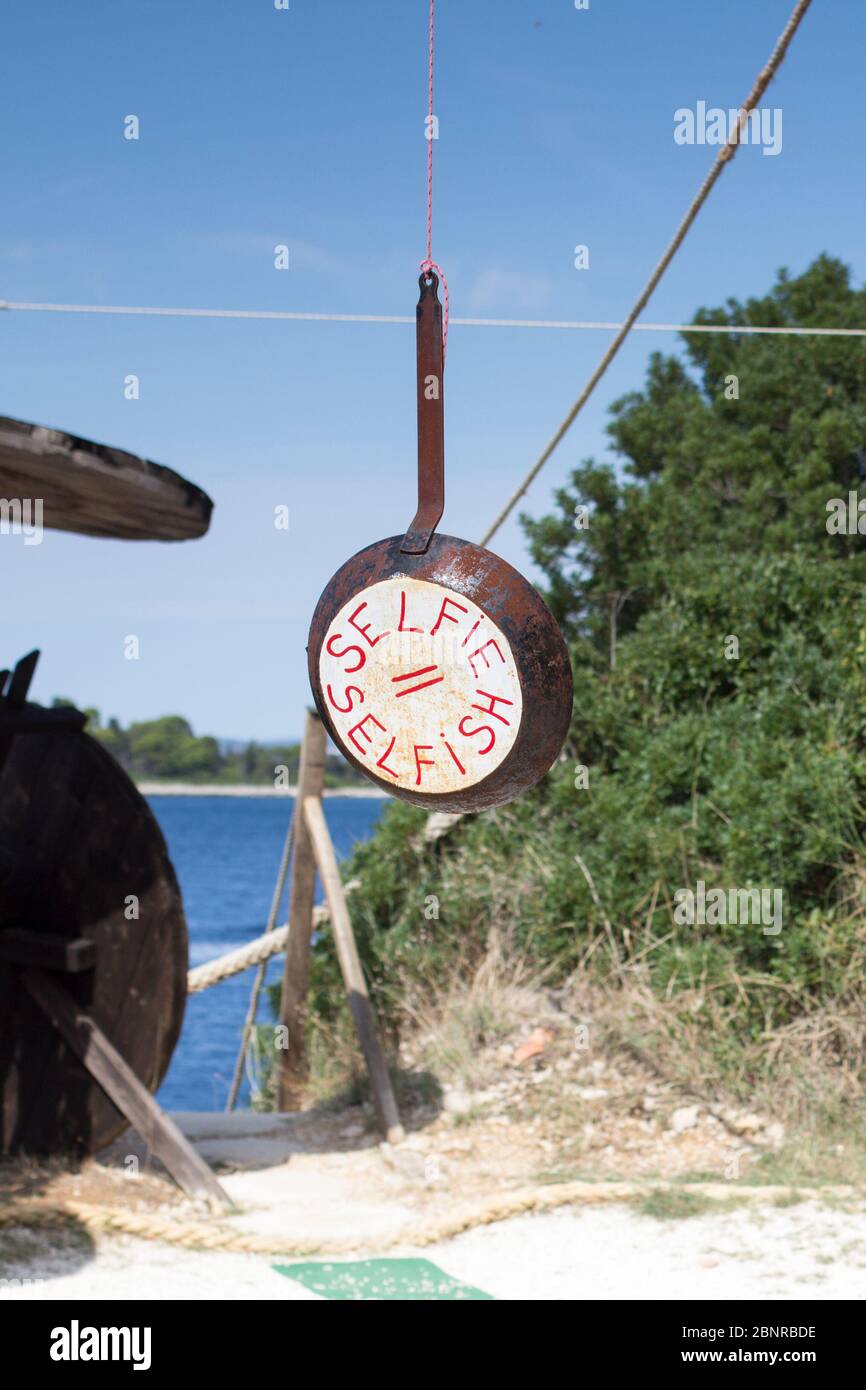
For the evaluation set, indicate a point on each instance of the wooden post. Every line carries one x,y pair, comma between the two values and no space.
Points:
350,965
293,1068
123,1087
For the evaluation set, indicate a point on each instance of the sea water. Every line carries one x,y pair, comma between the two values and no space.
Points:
226,852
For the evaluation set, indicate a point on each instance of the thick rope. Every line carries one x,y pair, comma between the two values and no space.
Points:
725,155
254,953
203,1235
428,264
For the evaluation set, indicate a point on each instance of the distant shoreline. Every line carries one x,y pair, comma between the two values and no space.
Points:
244,789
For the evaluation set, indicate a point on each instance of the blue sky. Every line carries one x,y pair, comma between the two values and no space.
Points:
306,127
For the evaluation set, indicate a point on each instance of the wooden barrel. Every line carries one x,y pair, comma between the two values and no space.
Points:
82,856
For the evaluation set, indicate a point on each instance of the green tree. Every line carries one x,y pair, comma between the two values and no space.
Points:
167,747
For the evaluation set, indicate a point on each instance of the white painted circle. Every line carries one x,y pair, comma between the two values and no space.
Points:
421,685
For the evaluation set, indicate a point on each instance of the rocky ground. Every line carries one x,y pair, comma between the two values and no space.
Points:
541,1112
545,1113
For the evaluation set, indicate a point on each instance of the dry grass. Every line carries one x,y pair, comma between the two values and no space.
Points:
808,1076
460,1033
446,1032
454,1030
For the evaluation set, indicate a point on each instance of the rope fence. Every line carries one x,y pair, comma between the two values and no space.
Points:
234,962
256,952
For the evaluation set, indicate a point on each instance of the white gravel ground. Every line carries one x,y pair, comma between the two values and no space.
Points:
805,1251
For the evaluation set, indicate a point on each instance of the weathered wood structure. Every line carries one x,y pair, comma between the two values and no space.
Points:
96,490
93,940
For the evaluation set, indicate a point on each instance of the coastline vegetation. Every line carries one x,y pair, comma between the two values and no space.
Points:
167,749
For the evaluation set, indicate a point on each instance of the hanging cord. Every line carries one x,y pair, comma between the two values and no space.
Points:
259,980
428,263
725,155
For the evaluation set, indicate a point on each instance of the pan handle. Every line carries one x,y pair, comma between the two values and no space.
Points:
431,418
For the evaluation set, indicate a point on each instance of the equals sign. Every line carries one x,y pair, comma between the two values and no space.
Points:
422,685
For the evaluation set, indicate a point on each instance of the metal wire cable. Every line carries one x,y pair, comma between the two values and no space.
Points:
305,317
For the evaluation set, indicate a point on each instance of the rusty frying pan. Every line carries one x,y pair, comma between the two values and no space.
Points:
438,670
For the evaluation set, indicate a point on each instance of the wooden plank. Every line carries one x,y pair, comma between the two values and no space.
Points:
107,1066
47,951
94,489
353,975
293,1069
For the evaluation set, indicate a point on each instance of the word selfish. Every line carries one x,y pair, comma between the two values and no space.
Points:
423,720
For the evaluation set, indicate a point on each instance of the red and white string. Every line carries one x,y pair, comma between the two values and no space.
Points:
428,263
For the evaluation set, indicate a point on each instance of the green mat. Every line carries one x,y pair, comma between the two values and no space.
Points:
380,1279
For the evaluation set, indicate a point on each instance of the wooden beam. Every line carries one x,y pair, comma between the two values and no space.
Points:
96,490
123,1087
293,1068
48,951
353,975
